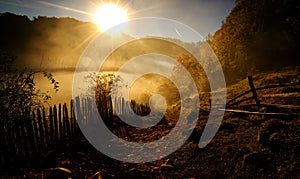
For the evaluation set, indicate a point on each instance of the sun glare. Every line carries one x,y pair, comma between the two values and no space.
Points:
110,15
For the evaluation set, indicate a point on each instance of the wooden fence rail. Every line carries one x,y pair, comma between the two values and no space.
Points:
235,100
238,101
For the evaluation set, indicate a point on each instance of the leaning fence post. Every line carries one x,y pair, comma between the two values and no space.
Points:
250,80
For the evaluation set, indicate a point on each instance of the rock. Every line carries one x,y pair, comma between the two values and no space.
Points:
242,152
229,150
155,169
251,159
278,125
258,160
166,167
169,162
227,127
134,173
263,138
196,134
275,142
97,175
59,172
270,129
64,163
217,174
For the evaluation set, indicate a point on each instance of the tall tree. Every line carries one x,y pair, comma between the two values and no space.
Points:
258,35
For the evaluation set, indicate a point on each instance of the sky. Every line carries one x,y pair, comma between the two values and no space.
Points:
205,16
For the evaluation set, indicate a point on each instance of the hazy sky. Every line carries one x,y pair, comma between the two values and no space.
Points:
205,16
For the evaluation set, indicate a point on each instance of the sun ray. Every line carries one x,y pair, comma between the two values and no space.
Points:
85,41
63,7
132,13
18,4
91,36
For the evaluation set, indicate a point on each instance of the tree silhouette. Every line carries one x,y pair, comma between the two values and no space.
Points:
18,89
258,35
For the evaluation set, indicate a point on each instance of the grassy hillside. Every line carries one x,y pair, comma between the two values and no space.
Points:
246,146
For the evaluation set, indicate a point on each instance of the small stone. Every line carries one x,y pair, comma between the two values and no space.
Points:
227,127
169,162
275,141
97,175
242,152
165,167
135,173
60,172
217,174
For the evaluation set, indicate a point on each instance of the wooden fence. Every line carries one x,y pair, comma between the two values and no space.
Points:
110,110
243,100
35,131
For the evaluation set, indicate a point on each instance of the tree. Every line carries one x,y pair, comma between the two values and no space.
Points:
258,34
18,89
103,84
171,92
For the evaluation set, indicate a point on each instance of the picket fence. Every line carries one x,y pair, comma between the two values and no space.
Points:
36,131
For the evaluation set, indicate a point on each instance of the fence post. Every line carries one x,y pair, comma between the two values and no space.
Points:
25,137
55,124
73,116
61,135
51,126
3,144
18,138
45,128
36,132
30,132
66,118
71,119
250,80
9,140
78,108
41,130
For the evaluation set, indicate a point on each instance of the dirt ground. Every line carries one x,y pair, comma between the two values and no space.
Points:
246,146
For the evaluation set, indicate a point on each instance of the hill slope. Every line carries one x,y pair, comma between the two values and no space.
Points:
246,146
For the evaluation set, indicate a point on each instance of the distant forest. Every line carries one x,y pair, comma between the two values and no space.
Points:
257,36
44,42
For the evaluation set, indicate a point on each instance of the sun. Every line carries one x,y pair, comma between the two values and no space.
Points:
109,15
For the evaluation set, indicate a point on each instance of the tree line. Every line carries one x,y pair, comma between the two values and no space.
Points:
258,35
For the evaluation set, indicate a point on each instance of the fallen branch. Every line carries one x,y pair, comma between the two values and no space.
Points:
279,106
259,113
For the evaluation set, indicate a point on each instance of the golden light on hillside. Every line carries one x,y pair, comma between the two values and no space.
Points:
109,15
